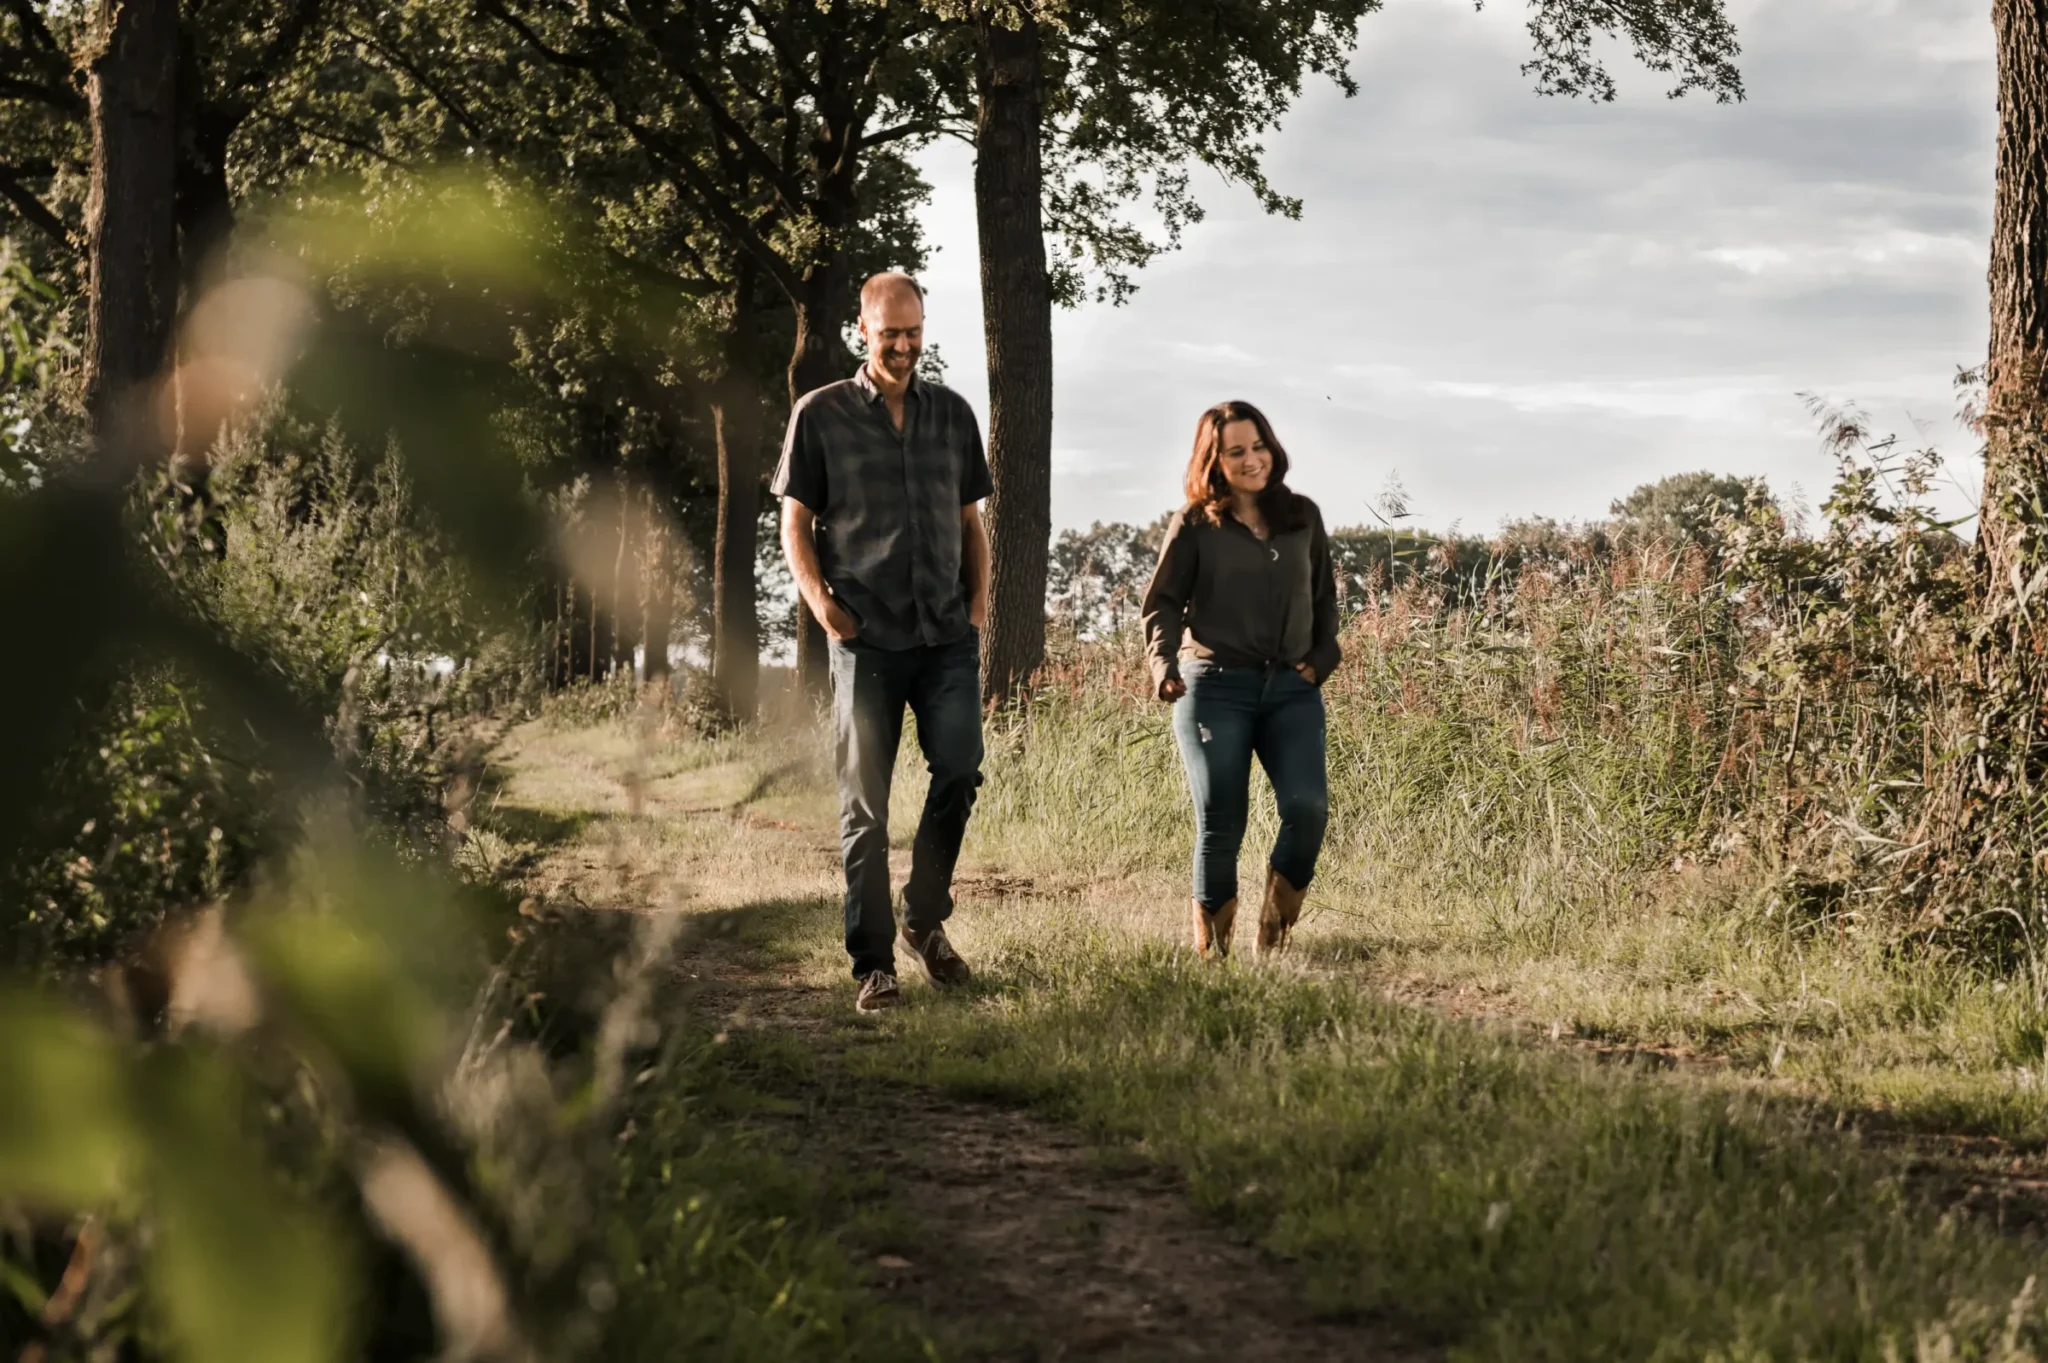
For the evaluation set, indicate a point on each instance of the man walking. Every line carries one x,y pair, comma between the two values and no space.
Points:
881,481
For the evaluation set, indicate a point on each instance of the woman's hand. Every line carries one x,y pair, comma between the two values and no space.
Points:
1172,688
1308,674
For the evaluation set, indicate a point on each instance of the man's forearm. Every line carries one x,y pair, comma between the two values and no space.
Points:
800,547
974,561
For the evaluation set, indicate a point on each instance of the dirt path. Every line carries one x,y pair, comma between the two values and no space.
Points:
1030,1243
1046,1247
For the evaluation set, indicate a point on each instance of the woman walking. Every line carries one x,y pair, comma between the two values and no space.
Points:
1241,630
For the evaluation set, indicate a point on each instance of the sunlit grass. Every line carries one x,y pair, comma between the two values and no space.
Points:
1512,1199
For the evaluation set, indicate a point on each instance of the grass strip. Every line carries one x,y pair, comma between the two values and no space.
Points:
1513,1202
728,1245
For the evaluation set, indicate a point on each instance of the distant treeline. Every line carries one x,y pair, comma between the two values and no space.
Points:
1099,574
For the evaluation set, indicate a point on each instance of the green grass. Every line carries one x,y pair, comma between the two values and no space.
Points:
1514,1202
1508,1198
1564,880
729,1246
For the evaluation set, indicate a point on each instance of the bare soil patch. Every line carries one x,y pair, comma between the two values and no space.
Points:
1040,1246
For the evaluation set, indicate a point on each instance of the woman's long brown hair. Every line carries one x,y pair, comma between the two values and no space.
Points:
1209,492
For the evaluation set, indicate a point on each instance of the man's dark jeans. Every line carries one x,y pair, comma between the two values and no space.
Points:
1229,715
941,684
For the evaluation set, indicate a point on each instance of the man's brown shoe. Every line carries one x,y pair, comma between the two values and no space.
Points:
877,991
941,962
1212,930
1278,915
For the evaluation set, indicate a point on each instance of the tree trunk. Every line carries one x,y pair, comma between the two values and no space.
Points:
737,416
1980,838
558,640
623,609
1016,299
131,222
819,357
736,625
660,608
206,222
206,207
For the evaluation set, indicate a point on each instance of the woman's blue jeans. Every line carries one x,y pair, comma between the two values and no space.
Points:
1228,716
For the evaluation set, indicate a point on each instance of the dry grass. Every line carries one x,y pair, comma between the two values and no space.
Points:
1514,1200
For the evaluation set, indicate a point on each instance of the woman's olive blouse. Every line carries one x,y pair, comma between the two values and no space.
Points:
1223,594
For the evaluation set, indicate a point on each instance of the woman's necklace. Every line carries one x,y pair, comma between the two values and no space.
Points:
1260,532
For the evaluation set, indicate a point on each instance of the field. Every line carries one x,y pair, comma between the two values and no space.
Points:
1532,1083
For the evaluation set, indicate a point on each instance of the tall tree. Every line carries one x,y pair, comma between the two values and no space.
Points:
1987,813
1126,94
739,412
778,125
1016,300
438,81
131,217
226,59
43,119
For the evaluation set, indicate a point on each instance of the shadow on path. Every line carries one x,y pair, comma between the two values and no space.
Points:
1038,1244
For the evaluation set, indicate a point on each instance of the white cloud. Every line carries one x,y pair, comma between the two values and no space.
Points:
1887,253
1529,306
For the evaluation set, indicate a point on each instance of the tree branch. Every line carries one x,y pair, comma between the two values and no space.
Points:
30,207
695,286
447,101
32,24
575,61
786,53
42,51
915,128
58,97
688,176
339,139
787,186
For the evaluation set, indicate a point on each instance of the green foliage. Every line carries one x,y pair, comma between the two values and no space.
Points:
1691,40
208,692
1603,702
327,570
240,1268
326,561
1686,508
36,351
155,809
1095,583
330,569
1136,93
1372,562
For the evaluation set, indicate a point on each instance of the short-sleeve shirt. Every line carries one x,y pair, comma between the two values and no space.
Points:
888,503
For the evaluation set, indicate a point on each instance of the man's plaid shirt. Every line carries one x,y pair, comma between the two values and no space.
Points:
888,504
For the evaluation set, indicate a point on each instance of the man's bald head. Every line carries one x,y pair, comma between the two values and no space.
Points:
892,325
887,285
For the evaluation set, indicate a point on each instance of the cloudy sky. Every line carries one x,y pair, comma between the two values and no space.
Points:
1527,306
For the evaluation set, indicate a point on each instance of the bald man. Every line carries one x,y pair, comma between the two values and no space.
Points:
882,479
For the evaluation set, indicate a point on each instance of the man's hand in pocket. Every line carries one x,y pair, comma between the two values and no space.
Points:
838,621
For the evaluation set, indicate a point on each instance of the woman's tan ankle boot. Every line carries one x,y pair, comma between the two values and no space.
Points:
1212,930
1278,915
